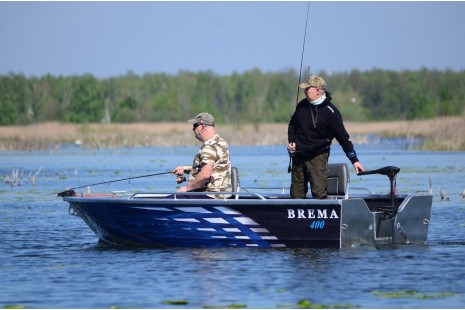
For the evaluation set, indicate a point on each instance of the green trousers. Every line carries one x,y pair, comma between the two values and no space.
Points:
311,169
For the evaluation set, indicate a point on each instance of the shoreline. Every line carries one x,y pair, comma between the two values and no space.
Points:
445,133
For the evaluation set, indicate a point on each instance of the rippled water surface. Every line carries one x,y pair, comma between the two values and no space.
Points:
50,259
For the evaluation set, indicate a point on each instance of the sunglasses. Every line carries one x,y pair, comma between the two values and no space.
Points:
195,126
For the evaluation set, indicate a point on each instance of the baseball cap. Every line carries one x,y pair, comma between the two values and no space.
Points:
314,81
203,118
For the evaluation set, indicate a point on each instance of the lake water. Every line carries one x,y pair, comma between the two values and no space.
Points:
50,259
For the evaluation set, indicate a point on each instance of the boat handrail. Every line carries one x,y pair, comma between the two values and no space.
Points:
176,195
259,196
282,189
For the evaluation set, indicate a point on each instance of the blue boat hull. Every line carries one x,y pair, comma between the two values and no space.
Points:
258,220
197,224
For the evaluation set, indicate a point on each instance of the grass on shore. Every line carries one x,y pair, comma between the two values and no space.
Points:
447,133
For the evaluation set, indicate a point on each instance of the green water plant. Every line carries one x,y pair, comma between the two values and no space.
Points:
175,302
412,294
307,304
231,306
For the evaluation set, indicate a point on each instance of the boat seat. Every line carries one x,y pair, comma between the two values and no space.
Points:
235,179
338,179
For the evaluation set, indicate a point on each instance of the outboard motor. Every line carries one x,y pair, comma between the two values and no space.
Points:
391,172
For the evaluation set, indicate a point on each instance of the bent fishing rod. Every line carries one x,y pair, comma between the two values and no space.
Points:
289,168
70,191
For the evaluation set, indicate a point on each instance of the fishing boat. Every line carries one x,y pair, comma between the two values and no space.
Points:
259,218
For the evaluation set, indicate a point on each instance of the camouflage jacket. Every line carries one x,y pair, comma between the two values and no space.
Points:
214,151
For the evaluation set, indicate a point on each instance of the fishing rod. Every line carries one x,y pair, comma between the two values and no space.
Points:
70,191
289,168
303,52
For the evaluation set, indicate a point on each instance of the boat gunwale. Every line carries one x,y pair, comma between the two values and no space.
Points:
249,200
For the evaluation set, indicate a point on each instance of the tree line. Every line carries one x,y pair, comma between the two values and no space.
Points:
250,97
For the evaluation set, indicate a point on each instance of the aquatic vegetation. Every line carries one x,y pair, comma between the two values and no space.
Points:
14,307
278,290
276,172
398,294
412,294
175,302
231,306
62,176
307,304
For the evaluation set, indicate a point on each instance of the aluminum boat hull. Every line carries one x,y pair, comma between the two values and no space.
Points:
263,221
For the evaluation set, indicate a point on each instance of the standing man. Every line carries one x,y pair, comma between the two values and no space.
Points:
313,126
211,169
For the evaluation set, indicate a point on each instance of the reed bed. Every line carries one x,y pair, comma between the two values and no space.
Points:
447,133
17,178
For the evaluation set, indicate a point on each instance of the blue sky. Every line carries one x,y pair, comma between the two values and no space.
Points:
112,38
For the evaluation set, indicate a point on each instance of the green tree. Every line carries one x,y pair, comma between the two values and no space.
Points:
86,104
249,97
14,99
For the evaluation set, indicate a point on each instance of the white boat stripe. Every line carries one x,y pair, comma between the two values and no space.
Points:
193,209
227,210
245,221
155,209
259,230
216,220
232,229
192,220
269,238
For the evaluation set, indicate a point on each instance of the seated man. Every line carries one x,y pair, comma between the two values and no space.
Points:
211,169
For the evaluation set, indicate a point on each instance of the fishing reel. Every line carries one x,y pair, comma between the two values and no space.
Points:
67,193
180,179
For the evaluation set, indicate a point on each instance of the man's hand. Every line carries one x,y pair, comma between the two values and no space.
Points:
200,179
180,170
358,167
291,147
182,189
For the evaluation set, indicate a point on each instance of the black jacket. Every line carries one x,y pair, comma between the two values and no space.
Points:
313,128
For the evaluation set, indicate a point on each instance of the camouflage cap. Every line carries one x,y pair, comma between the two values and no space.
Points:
203,118
314,81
